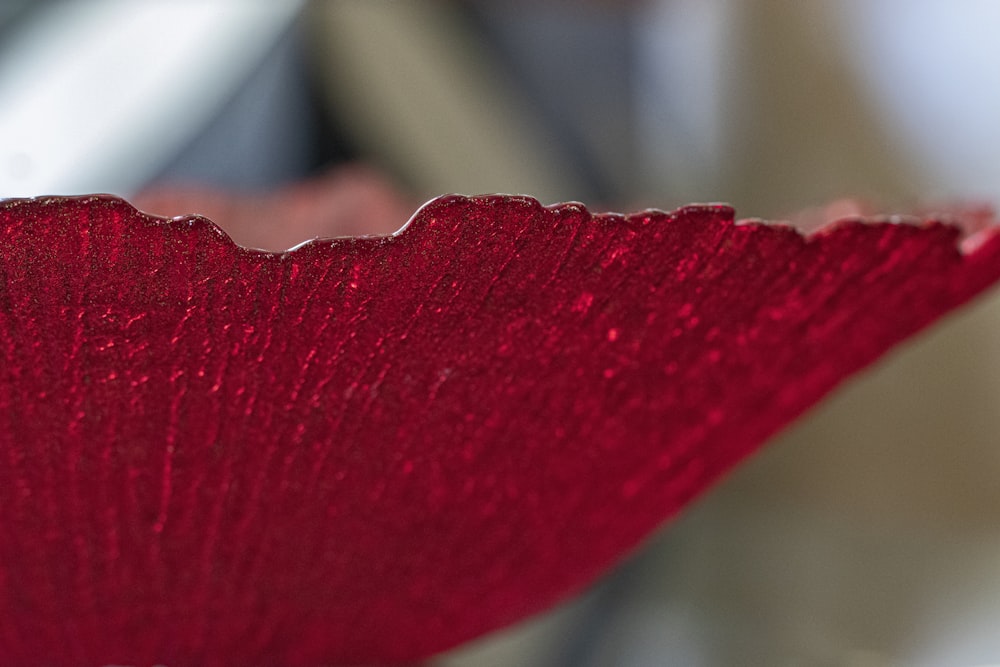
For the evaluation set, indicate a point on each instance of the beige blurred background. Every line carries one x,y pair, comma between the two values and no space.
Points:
866,535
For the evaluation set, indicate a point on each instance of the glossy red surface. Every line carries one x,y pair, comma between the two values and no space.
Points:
370,450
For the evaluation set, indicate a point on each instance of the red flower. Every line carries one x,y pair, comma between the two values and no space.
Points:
372,449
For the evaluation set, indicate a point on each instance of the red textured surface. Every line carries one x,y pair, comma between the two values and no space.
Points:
373,449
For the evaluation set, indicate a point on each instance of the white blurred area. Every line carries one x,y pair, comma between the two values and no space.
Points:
867,535
101,95
932,68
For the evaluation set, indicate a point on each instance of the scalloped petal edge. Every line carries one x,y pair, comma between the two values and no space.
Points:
225,456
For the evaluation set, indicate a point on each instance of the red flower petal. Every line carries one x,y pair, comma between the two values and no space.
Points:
373,449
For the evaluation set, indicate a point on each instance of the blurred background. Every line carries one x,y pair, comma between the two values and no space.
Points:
868,534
